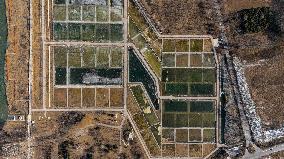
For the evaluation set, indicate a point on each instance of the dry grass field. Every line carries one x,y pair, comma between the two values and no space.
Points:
233,5
264,81
79,134
277,155
267,89
182,16
17,55
262,52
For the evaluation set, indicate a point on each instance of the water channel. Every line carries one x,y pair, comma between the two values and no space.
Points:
3,46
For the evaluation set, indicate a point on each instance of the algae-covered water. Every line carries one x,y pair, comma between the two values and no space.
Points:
3,46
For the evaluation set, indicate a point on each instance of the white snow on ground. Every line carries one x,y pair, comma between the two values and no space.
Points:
250,109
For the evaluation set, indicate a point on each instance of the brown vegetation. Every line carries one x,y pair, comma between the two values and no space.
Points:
17,74
207,149
102,97
168,150
182,16
116,97
262,52
233,5
181,150
76,134
267,90
37,56
89,97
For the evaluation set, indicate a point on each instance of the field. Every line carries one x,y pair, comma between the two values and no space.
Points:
81,135
145,39
153,61
190,16
187,122
208,135
149,48
183,121
208,60
15,39
232,6
187,53
182,45
181,60
194,135
98,23
196,45
172,120
188,67
74,97
208,47
182,135
207,149
133,29
169,60
88,65
188,106
89,32
277,155
102,97
168,135
88,97
88,57
138,25
145,118
168,150
181,150
193,60
14,132
170,45
188,81
144,104
261,55
265,84
116,57
116,97
195,150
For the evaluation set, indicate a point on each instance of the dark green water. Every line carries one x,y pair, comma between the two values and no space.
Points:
3,46
138,73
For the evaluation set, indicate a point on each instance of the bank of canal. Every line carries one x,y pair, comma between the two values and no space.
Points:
3,46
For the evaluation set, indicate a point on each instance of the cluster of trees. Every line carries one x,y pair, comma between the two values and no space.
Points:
259,19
